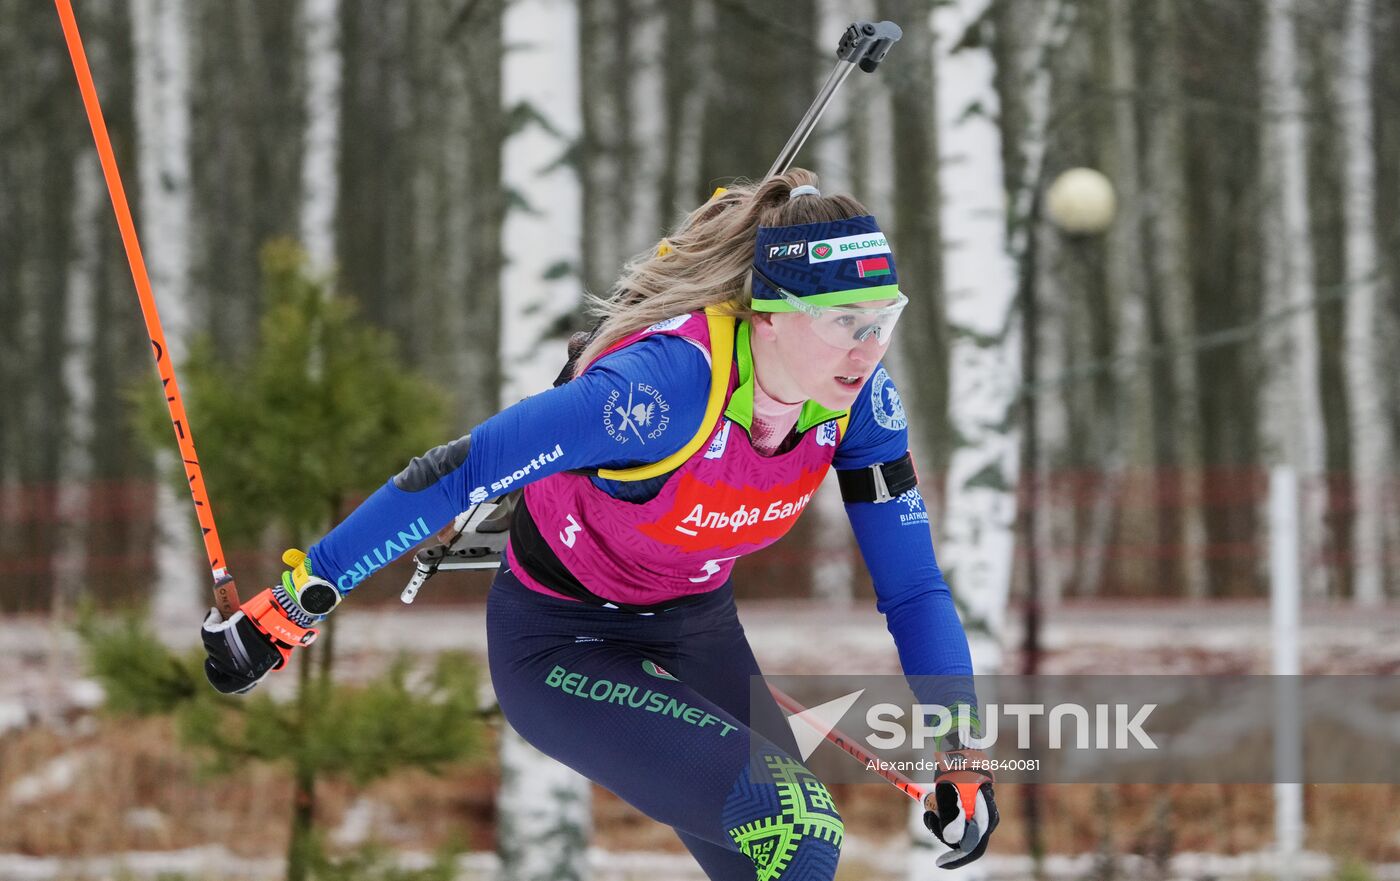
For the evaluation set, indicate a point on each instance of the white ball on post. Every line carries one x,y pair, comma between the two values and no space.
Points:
1081,201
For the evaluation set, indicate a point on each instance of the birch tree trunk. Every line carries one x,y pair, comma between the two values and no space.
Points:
916,236
162,53
629,140
685,81
1134,401
543,819
544,807
1320,63
1220,63
1078,299
607,148
246,138
1293,418
1386,82
456,199
76,461
980,280
543,237
121,352
758,96
1365,381
320,161
1171,315
36,190
834,557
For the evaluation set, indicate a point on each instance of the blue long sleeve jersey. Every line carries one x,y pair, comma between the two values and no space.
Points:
563,429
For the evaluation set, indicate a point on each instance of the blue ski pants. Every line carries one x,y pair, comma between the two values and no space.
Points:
656,708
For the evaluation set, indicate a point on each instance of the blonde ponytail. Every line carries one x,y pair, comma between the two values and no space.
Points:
708,257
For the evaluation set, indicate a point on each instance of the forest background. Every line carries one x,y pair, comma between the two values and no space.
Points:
1094,416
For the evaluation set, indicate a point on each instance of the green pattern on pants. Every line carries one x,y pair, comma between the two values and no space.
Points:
806,811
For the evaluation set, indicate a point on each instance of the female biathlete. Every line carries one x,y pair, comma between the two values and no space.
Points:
730,370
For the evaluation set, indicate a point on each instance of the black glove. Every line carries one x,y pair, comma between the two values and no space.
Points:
261,636
964,812
239,653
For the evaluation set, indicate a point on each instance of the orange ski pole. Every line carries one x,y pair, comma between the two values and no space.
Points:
225,594
916,791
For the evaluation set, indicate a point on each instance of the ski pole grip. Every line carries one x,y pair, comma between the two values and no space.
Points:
225,594
865,44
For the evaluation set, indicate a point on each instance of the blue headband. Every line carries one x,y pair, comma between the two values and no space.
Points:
831,263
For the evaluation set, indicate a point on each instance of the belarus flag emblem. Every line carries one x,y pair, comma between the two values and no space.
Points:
873,266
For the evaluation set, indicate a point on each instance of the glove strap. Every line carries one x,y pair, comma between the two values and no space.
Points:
270,618
964,769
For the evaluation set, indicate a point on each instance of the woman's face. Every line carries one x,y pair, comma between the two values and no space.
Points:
794,364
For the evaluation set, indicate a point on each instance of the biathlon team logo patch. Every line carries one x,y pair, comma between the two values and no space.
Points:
643,416
885,403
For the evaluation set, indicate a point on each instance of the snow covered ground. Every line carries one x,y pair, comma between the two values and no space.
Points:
41,679
41,674
859,860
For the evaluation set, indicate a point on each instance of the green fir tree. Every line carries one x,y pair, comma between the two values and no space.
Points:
319,413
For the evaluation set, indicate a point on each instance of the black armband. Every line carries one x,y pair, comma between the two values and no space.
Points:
879,483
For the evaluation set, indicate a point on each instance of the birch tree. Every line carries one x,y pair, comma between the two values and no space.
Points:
1075,415
121,352
686,78
1386,86
1134,402
1365,382
454,198
834,558
543,820
1220,75
160,32
320,161
1320,64
986,218
543,235
375,221
608,150
1292,413
768,73
544,807
89,211
986,242
246,142
1171,313
36,185
916,234
631,136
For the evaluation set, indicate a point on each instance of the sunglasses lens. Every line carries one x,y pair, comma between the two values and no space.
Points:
846,328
